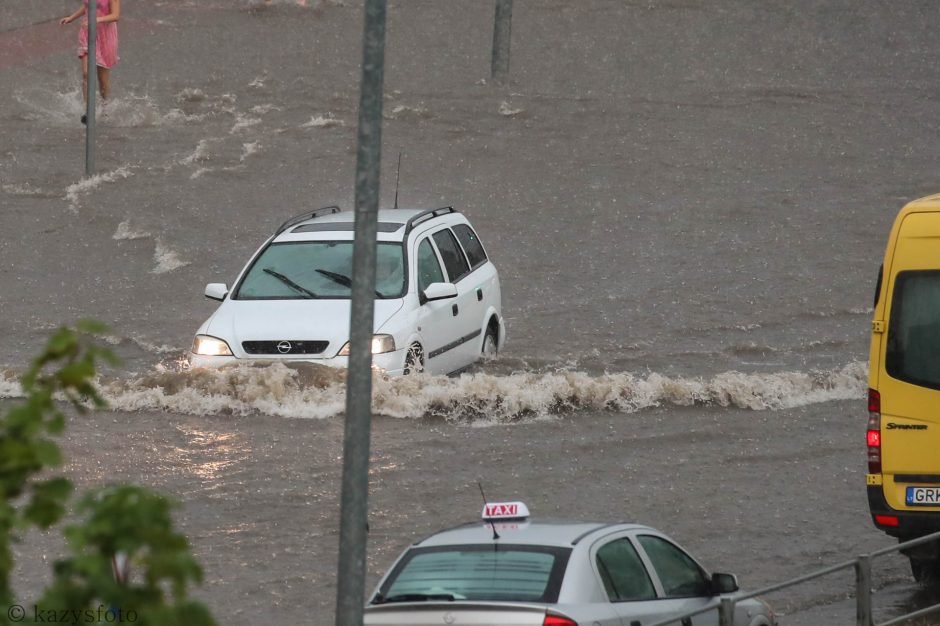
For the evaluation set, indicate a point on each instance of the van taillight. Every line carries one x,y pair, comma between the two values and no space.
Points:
557,620
873,436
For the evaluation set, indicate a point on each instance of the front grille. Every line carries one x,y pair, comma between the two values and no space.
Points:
285,346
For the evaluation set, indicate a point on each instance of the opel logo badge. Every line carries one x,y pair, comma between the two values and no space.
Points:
449,618
283,347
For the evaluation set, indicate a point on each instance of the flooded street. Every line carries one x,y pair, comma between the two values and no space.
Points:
766,495
687,203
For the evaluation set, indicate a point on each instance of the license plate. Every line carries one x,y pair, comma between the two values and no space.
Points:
923,496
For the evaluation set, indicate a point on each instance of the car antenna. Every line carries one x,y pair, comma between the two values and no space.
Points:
492,525
397,176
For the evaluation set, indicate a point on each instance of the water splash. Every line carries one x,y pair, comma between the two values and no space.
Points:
311,391
74,192
320,121
165,259
125,231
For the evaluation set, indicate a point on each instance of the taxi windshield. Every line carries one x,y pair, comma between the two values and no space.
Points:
318,269
509,573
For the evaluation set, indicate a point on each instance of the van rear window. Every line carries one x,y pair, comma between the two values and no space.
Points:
913,353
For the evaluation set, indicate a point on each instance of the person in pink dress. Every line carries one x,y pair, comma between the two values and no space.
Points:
108,13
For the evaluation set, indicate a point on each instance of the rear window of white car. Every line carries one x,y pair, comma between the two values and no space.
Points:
454,260
471,245
510,573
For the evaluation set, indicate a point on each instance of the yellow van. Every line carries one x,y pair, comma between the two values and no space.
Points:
904,385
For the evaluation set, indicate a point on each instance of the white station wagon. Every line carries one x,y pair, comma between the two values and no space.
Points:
437,296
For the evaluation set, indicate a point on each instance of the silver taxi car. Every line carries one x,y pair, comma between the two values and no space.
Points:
508,570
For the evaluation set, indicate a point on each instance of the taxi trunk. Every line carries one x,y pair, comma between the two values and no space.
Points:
462,613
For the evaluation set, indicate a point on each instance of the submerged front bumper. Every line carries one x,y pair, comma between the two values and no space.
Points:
388,363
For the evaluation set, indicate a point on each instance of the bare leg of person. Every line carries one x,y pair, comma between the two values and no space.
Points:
104,83
85,78
84,87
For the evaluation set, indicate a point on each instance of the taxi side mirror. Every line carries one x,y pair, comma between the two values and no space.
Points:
216,291
723,583
438,291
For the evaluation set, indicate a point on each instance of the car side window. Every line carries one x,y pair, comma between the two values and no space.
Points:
680,575
429,268
454,260
471,244
623,573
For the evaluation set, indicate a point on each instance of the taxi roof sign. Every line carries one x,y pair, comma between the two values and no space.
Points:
505,511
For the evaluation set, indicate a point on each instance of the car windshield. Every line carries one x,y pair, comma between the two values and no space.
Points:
511,573
318,269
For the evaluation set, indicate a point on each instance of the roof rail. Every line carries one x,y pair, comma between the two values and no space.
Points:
424,216
308,215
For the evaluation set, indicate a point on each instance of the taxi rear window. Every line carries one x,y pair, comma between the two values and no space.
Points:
510,573
913,353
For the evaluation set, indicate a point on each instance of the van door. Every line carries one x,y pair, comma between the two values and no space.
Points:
909,382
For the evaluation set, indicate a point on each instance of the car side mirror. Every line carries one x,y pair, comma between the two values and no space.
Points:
439,291
724,583
216,291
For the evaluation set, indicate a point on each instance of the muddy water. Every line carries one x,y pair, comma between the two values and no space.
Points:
687,203
766,495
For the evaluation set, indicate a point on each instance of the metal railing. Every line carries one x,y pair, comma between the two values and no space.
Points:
863,595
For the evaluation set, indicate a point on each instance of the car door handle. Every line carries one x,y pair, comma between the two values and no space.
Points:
687,621
479,295
455,310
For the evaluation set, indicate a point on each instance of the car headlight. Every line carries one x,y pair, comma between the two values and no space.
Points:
380,345
210,346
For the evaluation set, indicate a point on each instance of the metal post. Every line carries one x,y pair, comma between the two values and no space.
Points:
350,588
501,36
92,87
863,590
726,612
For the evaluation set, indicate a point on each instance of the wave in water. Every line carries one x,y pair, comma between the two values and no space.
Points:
310,391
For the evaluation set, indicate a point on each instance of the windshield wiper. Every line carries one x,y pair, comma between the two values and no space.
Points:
287,281
342,279
415,597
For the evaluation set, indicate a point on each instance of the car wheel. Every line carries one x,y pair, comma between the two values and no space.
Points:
414,360
490,342
925,570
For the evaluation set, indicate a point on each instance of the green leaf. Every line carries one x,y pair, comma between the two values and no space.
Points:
47,506
91,327
47,452
76,374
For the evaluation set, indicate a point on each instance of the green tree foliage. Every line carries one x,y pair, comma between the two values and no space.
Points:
124,520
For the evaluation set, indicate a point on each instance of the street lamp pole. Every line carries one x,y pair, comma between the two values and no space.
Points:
350,589
502,30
